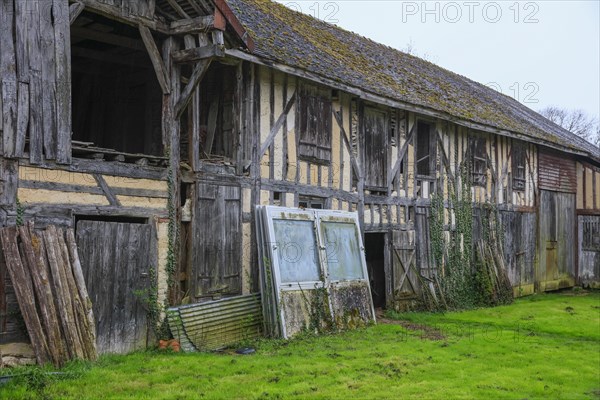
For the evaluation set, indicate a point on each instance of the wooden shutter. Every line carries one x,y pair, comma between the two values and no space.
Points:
314,121
425,149
376,148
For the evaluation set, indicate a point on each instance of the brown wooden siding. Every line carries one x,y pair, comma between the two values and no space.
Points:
557,173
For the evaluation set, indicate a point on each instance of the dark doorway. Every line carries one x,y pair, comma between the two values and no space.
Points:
374,254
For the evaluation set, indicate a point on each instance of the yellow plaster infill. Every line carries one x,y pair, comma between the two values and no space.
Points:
143,202
33,196
133,183
56,176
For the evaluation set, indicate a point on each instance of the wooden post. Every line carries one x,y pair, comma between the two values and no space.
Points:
171,139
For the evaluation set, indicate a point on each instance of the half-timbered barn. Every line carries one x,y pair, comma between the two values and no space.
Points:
154,128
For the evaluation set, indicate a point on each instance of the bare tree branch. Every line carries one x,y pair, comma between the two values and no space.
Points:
575,121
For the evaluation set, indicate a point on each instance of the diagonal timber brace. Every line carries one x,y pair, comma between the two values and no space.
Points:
157,61
186,95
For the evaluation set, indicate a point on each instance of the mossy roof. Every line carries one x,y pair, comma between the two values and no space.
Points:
302,41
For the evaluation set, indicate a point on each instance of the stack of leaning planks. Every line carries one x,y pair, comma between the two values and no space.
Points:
46,273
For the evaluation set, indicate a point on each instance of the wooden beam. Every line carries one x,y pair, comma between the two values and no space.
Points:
108,38
157,61
220,21
277,126
197,54
112,199
74,10
194,25
177,7
118,14
186,95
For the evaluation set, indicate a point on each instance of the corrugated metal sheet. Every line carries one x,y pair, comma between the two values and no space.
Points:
216,324
557,172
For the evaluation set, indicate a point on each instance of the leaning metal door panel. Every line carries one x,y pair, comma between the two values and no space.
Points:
295,266
346,267
313,269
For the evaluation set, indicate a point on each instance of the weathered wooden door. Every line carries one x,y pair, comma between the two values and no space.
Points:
116,259
556,267
519,249
404,288
216,246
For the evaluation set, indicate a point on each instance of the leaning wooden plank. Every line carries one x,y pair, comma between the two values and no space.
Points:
157,61
62,48
88,340
66,282
24,293
43,291
64,304
43,266
82,288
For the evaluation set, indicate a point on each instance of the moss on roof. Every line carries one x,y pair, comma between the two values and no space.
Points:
302,41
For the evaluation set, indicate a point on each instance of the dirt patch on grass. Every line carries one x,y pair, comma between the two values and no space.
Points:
427,332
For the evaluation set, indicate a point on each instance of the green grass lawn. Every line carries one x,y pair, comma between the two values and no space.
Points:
542,346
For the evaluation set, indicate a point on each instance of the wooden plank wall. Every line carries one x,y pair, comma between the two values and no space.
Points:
588,188
35,73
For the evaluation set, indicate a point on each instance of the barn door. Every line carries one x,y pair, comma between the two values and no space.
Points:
404,286
216,245
556,268
589,250
116,259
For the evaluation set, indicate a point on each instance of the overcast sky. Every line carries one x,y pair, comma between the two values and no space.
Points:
539,52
